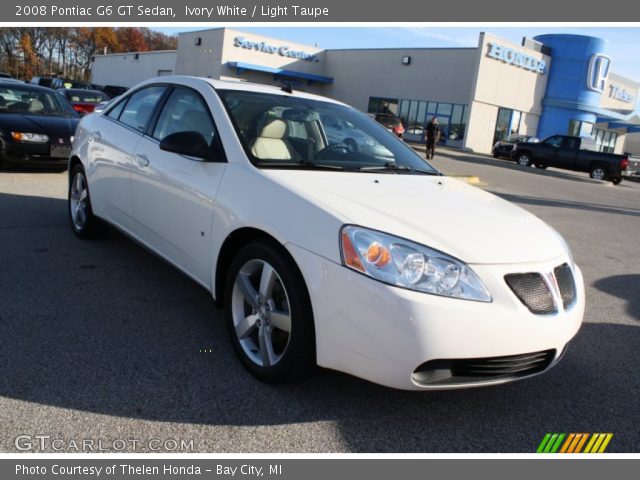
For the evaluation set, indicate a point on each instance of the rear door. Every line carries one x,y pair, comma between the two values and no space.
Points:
174,195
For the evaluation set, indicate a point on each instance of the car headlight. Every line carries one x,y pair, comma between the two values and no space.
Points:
29,137
403,263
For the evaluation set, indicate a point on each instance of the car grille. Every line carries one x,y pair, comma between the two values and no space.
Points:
566,284
479,370
533,291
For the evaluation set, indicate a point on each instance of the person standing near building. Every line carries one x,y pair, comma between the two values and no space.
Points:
432,137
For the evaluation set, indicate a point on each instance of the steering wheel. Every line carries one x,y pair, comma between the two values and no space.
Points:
341,148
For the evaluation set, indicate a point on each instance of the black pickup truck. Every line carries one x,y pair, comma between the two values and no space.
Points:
572,153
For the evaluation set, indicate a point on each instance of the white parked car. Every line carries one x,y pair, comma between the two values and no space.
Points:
320,254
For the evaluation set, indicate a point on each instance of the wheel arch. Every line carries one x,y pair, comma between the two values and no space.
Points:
73,161
231,244
600,164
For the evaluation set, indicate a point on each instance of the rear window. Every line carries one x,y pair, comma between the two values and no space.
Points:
87,96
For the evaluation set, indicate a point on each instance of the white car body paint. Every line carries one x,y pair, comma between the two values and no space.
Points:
183,209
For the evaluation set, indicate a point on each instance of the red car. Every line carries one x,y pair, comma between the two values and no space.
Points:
391,123
83,101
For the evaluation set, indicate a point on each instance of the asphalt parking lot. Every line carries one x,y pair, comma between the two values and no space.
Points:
102,340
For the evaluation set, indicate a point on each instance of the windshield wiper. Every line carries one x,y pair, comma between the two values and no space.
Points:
393,167
300,164
323,166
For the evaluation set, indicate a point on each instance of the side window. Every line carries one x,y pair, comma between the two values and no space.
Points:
184,111
117,110
140,106
571,143
554,142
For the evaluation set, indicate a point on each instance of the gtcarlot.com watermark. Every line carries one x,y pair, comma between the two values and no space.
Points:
48,443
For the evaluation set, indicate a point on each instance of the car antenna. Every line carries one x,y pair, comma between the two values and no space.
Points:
287,88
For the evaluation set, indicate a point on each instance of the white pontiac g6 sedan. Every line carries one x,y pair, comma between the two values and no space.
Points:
368,261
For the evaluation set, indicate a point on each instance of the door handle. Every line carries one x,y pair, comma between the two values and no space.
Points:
142,159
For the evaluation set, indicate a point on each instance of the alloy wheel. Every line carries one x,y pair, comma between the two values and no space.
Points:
598,174
78,201
261,313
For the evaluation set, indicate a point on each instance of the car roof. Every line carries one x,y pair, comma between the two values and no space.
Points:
26,86
235,85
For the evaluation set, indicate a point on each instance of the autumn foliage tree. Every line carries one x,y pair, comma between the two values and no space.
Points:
32,51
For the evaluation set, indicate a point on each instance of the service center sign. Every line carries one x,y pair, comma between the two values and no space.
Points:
516,58
285,51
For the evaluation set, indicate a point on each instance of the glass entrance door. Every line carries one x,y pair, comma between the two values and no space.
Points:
507,123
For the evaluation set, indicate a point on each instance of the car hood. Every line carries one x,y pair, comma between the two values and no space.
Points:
440,212
48,124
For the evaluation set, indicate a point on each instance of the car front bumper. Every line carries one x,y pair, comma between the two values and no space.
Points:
384,334
35,153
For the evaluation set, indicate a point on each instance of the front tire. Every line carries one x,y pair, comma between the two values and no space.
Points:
268,314
617,180
598,173
524,160
83,222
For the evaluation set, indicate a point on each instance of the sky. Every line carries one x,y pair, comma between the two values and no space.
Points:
623,42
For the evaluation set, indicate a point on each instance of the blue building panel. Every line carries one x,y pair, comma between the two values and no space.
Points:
570,93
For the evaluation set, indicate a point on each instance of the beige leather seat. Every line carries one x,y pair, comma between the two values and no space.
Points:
36,105
271,143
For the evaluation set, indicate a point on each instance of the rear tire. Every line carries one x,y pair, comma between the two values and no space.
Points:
268,314
83,222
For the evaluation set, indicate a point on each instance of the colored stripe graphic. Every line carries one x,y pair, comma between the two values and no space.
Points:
574,443
565,447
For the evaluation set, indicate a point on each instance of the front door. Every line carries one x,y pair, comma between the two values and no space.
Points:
174,195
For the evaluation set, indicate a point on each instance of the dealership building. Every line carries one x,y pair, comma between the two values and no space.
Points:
549,84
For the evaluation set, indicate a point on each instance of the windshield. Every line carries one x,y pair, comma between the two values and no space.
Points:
283,131
34,102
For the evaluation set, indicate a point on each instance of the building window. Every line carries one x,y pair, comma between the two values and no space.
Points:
415,114
507,123
578,128
383,105
604,140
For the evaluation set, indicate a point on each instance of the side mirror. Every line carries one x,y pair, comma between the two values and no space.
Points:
190,143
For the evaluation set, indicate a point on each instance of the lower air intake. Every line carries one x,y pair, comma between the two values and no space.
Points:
481,370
